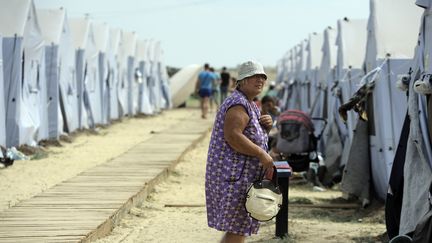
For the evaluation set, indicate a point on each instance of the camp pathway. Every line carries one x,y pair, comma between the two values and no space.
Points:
89,205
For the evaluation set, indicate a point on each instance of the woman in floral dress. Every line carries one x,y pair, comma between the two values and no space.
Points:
237,153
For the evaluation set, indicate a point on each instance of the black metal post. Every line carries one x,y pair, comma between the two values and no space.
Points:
282,216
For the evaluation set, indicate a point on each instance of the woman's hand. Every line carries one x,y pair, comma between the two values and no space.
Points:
266,121
265,159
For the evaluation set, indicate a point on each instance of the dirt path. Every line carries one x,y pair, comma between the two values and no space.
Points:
153,222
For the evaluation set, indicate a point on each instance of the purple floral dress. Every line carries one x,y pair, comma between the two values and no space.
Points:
229,173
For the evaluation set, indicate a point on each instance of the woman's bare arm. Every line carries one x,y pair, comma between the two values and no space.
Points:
236,120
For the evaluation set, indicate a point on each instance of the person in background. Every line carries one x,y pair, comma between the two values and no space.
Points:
272,92
232,85
257,102
269,107
214,98
203,88
225,84
236,156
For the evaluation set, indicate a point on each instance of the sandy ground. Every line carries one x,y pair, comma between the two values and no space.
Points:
27,178
153,221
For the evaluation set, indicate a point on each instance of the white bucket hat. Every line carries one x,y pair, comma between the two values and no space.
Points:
249,69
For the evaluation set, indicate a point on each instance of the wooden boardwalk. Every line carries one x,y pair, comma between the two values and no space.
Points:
89,205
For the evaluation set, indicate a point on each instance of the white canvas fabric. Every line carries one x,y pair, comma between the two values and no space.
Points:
388,33
144,106
329,53
68,79
313,65
417,169
351,47
164,90
326,78
113,81
351,44
156,74
385,41
101,97
2,100
87,72
26,104
153,80
183,83
127,70
52,23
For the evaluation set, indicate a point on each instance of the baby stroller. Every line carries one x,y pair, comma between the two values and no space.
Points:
296,141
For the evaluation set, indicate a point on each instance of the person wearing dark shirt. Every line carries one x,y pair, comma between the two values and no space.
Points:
225,84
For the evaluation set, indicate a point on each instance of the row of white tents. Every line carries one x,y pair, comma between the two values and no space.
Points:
60,74
357,66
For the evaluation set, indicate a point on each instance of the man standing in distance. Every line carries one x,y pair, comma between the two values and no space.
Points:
225,84
204,88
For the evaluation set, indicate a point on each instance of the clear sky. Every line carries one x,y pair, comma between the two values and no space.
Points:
221,32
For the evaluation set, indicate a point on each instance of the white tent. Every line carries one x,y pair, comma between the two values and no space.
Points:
25,84
2,100
153,79
314,58
101,97
59,64
351,47
144,67
351,43
328,67
280,69
128,90
302,77
417,173
389,51
284,75
329,145
61,69
299,71
183,83
385,42
114,75
162,79
86,71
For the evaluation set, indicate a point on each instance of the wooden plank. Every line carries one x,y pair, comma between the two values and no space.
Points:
86,206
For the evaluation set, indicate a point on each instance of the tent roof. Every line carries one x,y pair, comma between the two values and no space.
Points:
114,39
101,35
141,50
157,52
13,16
395,25
304,54
51,23
80,29
315,43
351,42
329,45
129,41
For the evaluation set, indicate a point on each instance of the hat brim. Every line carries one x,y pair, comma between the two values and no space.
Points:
241,77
